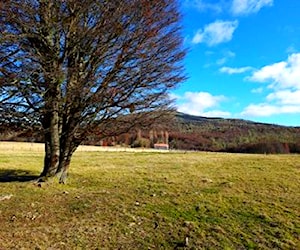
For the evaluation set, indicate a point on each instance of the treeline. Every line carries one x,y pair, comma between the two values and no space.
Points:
186,132
232,135
20,133
137,138
267,148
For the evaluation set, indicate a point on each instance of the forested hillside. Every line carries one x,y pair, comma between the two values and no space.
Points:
232,135
186,132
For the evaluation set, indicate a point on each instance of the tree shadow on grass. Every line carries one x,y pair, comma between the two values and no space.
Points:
16,175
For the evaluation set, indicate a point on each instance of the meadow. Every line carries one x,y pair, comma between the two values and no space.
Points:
150,200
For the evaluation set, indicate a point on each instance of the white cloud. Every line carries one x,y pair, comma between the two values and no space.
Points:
216,113
281,75
173,96
230,71
226,56
265,110
283,79
229,53
201,103
216,33
244,7
203,6
257,90
222,61
291,49
285,97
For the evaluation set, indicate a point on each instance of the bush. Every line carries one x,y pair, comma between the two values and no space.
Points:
262,148
294,148
141,143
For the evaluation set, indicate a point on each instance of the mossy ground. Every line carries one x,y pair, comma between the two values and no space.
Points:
148,200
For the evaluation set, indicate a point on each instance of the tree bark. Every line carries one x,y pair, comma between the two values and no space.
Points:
66,152
52,134
68,145
64,168
59,149
51,160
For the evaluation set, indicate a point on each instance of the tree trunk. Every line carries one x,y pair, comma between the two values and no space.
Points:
66,154
64,168
51,158
68,146
58,158
52,135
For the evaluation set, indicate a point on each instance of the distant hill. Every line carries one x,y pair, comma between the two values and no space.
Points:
188,132
232,135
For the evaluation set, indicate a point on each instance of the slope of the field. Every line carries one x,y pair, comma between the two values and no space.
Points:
147,200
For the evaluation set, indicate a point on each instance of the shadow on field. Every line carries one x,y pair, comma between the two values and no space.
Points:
16,175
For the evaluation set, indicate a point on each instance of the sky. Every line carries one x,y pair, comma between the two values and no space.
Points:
243,60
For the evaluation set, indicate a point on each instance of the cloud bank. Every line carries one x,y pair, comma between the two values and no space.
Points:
216,33
203,6
245,7
234,7
283,83
231,71
281,75
201,104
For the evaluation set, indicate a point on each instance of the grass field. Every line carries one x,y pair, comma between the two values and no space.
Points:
150,200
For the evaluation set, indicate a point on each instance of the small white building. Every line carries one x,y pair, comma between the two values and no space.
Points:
162,146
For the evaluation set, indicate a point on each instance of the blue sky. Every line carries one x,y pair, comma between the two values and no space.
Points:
243,60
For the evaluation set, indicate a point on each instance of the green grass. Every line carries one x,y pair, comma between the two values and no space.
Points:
126,200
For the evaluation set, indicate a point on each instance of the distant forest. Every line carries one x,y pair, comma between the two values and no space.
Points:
186,132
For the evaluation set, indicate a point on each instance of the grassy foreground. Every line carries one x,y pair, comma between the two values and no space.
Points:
147,200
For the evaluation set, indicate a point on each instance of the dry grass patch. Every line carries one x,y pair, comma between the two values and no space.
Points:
127,200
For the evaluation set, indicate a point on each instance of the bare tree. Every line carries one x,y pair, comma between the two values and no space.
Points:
74,66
